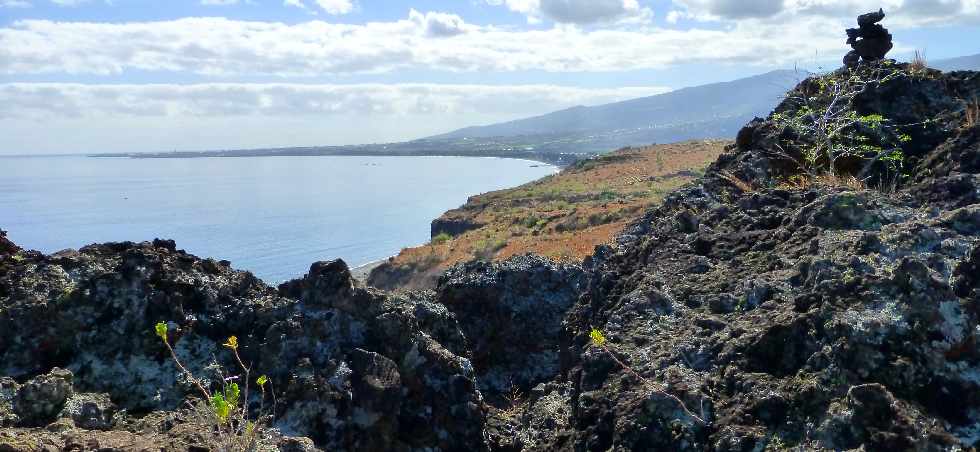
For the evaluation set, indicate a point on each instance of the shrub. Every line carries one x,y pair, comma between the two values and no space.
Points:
441,238
530,221
226,411
830,136
918,67
425,260
486,249
805,181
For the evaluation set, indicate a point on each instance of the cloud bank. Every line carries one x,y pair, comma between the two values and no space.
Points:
902,13
582,12
433,41
43,101
67,117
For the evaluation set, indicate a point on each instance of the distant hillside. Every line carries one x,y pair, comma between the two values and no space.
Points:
561,138
710,111
562,217
965,63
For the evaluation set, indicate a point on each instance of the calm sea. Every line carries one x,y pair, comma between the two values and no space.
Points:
273,216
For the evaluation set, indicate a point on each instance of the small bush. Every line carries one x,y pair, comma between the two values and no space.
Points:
486,249
918,66
441,238
804,181
530,221
833,137
425,261
225,412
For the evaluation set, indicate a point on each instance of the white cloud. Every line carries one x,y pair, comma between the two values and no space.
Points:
440,24
36,117
336,6
42,101
15,4
578,11
332,7
218,46
901,13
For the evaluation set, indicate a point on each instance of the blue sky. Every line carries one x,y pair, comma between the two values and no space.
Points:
142,75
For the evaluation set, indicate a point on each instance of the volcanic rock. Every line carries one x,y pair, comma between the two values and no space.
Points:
870,41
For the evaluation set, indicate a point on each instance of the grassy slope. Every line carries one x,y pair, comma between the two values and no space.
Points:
563,216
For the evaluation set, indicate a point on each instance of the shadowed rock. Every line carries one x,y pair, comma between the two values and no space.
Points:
6,246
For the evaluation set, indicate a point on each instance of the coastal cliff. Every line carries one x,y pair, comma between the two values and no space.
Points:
812,291
562,217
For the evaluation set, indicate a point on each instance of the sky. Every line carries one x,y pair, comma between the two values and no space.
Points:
161,75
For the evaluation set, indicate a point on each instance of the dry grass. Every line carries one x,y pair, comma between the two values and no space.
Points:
738,182
972,113
565,216
918,65
804,182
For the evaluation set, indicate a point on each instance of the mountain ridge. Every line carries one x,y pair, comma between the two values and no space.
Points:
652,109
962,63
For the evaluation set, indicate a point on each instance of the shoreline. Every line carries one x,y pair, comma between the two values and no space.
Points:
558,160
361,272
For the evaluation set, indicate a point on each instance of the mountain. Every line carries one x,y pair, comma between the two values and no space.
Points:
717,110
964,63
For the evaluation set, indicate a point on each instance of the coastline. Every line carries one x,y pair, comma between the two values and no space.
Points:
557,159
362,271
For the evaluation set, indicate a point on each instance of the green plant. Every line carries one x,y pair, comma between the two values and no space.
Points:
530,221
487,248
441,238
830,136
65,294
226,410
599,340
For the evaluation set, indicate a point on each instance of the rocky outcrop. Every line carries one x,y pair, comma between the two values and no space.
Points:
870,41
511,314
354,369
6,246
822,317
453,225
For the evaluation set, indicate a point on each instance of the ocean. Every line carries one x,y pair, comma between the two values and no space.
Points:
273,216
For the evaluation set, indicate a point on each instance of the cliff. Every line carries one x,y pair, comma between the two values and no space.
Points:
562,216
817,289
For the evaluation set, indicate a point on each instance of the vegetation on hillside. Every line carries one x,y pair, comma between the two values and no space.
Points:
563,216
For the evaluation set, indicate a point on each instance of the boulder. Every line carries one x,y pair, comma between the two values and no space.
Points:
39,401
511,315
6,246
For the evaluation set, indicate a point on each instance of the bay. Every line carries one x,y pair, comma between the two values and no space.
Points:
273,216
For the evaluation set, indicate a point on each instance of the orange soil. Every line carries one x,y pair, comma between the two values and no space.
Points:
564,216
